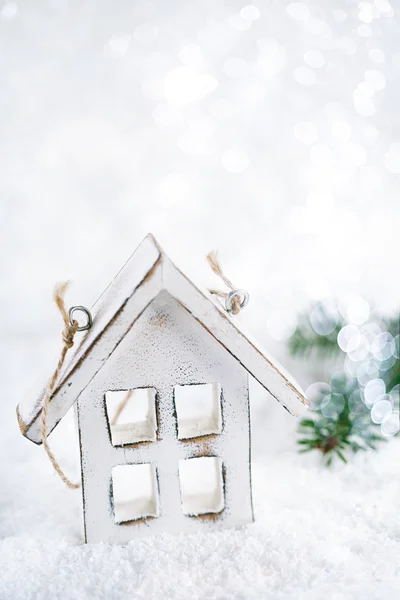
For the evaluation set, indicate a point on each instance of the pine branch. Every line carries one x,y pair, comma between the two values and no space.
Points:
346,427
337,436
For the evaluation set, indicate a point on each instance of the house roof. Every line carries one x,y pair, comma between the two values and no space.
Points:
147,273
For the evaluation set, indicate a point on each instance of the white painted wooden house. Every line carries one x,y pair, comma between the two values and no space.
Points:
174,454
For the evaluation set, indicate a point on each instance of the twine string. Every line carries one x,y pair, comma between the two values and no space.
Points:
215,264
68,335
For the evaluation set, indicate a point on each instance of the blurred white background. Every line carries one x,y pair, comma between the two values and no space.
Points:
269,131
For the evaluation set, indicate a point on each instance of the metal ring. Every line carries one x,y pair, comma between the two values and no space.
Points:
83,309
243,302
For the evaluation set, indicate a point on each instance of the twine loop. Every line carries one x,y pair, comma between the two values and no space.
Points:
71,326
237,298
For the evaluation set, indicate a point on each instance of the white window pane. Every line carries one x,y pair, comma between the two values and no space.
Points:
201,484
198,409
132,416
135,492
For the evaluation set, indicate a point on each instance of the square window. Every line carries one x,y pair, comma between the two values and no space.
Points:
135,492
132,416
201,483
198,409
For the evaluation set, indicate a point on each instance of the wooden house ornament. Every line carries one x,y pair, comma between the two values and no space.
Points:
161,385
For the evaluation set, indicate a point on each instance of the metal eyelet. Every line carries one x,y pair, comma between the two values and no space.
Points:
83,309
244,299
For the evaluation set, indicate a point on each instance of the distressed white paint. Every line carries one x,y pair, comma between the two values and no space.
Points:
166,347
144,276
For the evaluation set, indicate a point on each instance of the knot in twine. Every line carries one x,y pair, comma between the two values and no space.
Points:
68,334
236,299
70,329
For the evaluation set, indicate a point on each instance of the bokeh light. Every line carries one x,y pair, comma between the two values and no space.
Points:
324,318
381,410
332,405
373,391
316,394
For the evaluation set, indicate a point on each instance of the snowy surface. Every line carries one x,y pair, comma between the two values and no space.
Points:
271,133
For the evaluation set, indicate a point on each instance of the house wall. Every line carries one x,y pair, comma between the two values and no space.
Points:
166,347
